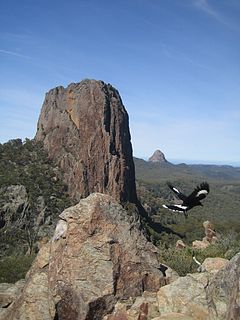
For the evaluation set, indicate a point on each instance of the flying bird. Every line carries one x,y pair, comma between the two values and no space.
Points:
188,202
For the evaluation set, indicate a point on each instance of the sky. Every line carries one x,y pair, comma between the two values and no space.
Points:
175,63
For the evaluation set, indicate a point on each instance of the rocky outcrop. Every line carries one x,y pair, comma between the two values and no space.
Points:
199,296
223,292
180,244
210,237
8,294
85,129
210,233
16,217
107,270
96,257
158,157
15,204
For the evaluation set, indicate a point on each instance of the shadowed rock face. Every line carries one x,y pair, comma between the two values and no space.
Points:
85,129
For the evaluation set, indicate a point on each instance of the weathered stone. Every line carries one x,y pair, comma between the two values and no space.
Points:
22,221
15,204
174,316
180,244
223,291
158,157
212,295
100,257
210,234
186,295
84,128
200,244
214,264
142,308
210,237
9,292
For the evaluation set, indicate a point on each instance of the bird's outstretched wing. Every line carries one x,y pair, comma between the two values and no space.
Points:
200,192
179,194
175,207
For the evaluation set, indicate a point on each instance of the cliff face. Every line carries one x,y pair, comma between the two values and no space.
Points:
84,128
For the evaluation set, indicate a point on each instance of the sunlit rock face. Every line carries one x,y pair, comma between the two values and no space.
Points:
85,129
96,257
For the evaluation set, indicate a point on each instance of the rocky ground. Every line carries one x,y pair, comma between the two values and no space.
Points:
98,265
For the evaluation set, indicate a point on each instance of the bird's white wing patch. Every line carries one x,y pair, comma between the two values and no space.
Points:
180,206
175,189
201,192
176,207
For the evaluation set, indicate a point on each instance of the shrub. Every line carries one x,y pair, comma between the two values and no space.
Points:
15,268
181,260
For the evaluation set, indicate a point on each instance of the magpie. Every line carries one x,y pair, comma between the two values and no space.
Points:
188,202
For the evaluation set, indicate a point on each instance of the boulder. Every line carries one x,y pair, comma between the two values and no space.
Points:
200,244
223,291
210,233
186,296
180,244
97,257
211,295
210,237
9,292
214,264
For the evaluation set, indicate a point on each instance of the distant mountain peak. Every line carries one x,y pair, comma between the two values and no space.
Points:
158,156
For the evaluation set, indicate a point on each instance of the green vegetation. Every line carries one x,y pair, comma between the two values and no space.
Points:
32,195
221,207
15,268
181,260
26,163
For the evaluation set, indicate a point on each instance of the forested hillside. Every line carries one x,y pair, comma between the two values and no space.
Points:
222,205
32,196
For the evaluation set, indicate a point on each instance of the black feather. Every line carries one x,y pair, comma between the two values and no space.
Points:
188,202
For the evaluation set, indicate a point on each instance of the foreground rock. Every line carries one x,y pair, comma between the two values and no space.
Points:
223,292
211,295
8,294
97,257
85,129
210,237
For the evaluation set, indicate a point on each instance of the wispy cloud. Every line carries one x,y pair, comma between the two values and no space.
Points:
208,9
20,98
176,54
204,6
13,53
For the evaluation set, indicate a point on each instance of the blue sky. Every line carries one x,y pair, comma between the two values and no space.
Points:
176,64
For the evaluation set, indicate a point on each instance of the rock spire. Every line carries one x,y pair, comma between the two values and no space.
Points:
85,129
158,157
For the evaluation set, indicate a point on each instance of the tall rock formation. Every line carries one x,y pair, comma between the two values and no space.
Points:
85,129
158,157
